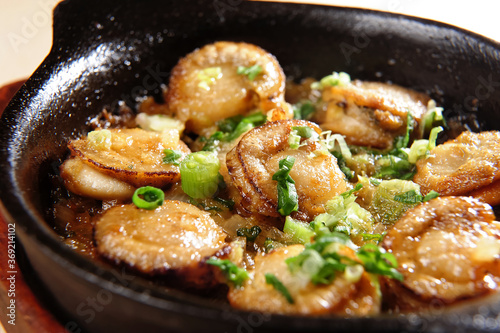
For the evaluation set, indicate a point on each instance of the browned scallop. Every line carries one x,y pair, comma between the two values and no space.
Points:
134,156
370,113
205,85
448,249
254,160
340,297
175,237
457,167
85,180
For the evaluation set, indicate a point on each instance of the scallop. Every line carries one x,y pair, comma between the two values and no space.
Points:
85,180
133,156
175,237
463,166
370,113
254,160
205,85
341,297
448,249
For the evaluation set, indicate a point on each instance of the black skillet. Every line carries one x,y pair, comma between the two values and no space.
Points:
110,51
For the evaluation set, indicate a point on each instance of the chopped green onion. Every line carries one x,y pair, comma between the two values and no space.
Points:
431,195
353,273
226,203
207,77
233,273
376,260
213,141
294,140
200,174
433,117
303,110
172,156
350,192
403,141
300,232
335,79
410,197
349,174
299,132
330,140
279,287
392,198
271,244
418,150
375,237
249,233
433,136
251,72
100,139
148,197
288,200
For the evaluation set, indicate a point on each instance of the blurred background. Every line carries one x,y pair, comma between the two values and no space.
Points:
26,25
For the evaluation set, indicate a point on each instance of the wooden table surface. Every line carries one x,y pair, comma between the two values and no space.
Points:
30,314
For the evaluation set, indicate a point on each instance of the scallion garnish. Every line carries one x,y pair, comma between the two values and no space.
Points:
200,174
249,233
288,200
431,195
412,197
148,197
207,77
377,261
251,72
303,110
279,287
234,274
172,156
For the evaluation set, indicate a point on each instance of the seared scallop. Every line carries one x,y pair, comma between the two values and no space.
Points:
468,163
341,296
133,156
175,237
448,249
85,180
255,159
205,85
370,113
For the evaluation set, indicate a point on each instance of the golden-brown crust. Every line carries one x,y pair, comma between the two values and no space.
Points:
447,251
459,166
135,156
175,237
230,93
340,297
370,113
252,163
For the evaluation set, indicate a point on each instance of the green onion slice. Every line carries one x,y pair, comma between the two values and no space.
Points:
200,174
148,197
251,72
278,286
172,156
288,200
233,273
250,233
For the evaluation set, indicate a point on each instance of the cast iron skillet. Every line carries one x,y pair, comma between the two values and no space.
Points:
110,51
